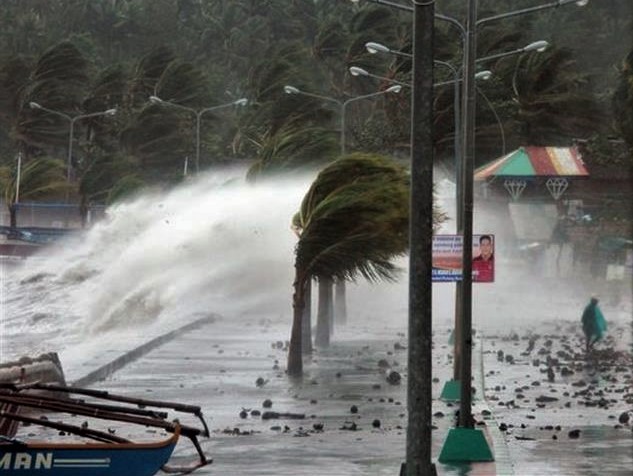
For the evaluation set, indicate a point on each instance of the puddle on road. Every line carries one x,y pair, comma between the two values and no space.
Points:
598,451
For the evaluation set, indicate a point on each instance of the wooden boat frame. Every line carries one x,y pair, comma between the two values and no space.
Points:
15,399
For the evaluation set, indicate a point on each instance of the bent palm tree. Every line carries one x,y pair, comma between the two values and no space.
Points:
353,221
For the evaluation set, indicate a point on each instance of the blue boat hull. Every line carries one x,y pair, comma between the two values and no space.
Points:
128,459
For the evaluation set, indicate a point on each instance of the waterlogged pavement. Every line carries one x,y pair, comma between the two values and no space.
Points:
563,412
354,420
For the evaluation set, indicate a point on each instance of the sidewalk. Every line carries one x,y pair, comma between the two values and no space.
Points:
355,421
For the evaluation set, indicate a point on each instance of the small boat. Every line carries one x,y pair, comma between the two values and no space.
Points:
45,368
91,452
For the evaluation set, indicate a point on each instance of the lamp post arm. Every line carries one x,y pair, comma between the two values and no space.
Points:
517,51
365,96
92,114
318,96
384,78
57,113
401,53
453,21
499,123
536,8
179,106
398,6
438,16
213,108
514,78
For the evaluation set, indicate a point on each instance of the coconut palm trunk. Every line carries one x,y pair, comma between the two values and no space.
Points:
306,323
13,215
295,360
324,312
340,302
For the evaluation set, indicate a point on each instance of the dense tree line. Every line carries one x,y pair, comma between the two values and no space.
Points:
85,56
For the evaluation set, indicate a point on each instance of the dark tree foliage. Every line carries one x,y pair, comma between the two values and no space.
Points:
623,100
82,56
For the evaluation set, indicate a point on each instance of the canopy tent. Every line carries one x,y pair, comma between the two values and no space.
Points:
556,164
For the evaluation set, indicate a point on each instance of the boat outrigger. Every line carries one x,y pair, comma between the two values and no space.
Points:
91,452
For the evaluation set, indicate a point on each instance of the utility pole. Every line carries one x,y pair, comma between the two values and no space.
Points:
419,397
466,338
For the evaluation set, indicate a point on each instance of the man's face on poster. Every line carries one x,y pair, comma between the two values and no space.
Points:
485,248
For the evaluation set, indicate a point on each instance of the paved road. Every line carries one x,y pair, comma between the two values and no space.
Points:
217,366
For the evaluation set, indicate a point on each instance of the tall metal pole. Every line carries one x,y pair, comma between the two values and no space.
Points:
71,120
198,116
419,397
343,108
18,177
465,411
70,148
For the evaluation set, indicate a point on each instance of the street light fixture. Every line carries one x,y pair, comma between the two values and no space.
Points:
538,46
557,3
357,71
468,35
466,213
71,120
481,75
396,88
198,113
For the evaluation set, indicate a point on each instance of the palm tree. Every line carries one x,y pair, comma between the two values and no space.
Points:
39,178
623,100
354,221
291,149
57,81
555,99
306,319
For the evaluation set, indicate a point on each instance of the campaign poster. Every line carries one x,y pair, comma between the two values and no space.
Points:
447,258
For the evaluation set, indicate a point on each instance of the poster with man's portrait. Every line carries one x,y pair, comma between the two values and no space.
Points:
483,259
447,258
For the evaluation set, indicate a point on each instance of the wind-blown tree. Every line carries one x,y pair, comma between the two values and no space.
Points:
14,73
623,100
288,131
160,136
293,149
353,221
555,99
39,178
101,175
58,81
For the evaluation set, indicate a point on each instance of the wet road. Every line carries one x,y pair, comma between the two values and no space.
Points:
217,367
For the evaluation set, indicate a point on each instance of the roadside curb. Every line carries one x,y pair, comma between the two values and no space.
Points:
501,452
111,367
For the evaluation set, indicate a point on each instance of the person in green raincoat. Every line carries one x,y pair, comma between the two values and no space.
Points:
593,323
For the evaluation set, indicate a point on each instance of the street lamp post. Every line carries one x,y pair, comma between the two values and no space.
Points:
464,336
342,104
374,47
420,322
71,120
341,312
198,113
465,344
456,81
